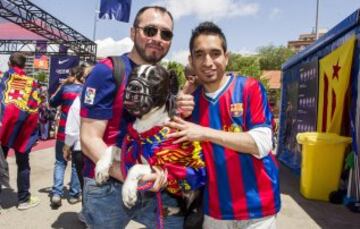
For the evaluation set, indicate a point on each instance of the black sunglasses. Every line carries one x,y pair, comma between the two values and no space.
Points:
151,31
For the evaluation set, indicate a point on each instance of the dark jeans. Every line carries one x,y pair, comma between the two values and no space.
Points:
23,173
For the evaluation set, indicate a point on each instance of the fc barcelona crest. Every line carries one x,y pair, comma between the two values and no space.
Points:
236,109
20,91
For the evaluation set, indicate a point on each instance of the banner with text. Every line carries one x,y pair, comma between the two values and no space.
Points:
59,70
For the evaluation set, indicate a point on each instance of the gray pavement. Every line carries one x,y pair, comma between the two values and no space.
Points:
296,211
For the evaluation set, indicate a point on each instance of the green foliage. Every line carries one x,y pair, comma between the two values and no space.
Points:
178,68
41,77
245,65
272,57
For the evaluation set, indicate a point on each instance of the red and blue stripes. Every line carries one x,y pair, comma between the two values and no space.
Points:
19,127
107,104
241,186
64,97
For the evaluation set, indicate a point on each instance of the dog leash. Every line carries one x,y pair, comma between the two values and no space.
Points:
145,187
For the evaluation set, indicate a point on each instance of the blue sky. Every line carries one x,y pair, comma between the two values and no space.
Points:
247,24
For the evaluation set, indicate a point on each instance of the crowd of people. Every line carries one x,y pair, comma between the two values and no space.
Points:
229,115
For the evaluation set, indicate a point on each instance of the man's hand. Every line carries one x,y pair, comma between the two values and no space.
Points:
67,152
189,86
185,104
188,131
159,177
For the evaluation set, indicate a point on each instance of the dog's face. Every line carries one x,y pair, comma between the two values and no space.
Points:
150,86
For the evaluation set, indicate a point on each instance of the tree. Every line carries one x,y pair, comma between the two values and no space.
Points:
272,57
41,76
178,68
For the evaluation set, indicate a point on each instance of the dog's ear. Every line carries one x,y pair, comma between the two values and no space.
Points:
174,89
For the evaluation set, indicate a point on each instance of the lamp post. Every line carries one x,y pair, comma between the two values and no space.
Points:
96,19
317,20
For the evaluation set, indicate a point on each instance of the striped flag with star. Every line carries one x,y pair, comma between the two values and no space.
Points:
334,77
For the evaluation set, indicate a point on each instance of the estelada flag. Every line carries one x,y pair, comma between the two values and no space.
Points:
335,70
19,114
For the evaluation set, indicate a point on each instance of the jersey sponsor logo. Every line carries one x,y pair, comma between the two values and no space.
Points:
236,109
90,95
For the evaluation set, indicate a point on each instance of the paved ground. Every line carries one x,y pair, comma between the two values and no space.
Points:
296,212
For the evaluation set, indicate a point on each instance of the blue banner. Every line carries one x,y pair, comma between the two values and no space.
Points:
59,70
41,46
115,9
63,49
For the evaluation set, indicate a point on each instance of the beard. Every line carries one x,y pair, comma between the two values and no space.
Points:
152,57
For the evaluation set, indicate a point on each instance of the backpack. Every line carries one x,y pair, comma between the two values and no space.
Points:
118,69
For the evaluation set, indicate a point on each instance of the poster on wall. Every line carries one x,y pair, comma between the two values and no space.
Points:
41,61
287,134
307,97
59,70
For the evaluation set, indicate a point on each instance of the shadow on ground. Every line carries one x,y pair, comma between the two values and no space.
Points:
325,214
9,198
68,220
48,190
45,190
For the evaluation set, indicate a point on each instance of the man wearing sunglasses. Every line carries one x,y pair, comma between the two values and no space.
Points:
103,123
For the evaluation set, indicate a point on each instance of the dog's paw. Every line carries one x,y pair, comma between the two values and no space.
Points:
101,172
129,192
103,166
129,189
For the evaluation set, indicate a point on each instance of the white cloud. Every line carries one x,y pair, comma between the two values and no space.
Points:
274,13
209,9
110,47
246,52
180,56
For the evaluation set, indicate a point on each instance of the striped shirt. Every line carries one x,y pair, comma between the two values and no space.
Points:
239,185
64,97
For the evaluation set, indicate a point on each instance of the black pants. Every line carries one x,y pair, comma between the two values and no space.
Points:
78,160
23,173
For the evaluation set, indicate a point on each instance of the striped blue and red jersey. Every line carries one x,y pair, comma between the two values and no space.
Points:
19,110
239,186
64,97
183,161
101,99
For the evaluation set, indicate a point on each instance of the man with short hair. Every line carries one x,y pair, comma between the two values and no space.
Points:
104,123
19,119
234,125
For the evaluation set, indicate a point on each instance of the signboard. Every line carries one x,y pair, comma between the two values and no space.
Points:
308,97
59,70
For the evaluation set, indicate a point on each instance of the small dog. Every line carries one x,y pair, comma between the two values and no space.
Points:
150,97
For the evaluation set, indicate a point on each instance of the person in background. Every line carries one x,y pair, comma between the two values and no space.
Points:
191,80
19,123
234,125
64,97
72,147
44,116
